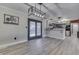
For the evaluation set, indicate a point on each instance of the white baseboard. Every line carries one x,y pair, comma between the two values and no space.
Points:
10,44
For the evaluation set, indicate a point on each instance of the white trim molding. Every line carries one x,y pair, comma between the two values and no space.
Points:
11,44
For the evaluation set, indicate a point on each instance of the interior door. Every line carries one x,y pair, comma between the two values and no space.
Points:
34,29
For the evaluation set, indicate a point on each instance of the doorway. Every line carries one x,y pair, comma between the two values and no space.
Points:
34,29
75,29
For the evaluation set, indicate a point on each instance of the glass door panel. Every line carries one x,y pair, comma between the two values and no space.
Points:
38,28
32,29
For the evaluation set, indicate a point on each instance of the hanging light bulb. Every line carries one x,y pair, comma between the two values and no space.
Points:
38,15
43,16
34,13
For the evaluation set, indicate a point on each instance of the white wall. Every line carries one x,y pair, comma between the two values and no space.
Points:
9,31
44,25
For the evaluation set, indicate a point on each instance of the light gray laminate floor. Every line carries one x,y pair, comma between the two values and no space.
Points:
45,46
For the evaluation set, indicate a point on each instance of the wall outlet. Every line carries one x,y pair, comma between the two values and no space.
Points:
14,38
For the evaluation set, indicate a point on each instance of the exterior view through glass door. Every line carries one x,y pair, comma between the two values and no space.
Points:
34,29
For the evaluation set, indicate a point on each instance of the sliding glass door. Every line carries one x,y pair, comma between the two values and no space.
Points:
34,29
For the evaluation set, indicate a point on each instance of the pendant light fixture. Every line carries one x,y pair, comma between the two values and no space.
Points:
36,12
41,15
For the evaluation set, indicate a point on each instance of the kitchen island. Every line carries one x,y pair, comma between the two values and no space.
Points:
58,33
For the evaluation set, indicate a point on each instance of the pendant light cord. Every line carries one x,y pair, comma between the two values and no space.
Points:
35,7
40,8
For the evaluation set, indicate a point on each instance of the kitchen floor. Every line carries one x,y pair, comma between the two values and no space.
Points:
45,46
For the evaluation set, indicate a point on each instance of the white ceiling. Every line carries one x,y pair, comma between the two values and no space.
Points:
16,6
70,10
65,10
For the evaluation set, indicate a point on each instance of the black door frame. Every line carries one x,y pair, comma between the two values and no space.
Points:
36,21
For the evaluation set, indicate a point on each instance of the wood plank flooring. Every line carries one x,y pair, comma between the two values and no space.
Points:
45,46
